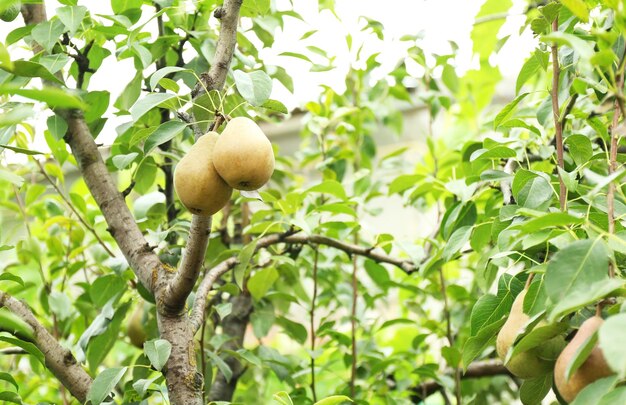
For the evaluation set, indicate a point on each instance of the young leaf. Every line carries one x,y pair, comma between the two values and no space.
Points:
104,384
255,87
157,351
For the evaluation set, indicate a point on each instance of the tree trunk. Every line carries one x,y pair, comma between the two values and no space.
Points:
184,382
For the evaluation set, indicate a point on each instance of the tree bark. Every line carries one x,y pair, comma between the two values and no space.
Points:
59,360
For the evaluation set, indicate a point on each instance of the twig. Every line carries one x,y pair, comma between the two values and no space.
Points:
74,210
312,321
353,320
289,237
558,127
615,136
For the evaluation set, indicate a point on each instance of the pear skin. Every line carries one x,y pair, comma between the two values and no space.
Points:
201,190
135,329
593,368
527,364
243,155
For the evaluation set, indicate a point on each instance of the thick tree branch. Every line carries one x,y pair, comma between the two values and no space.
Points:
185,279
120,221
182,284
215,78
487,368
216,272
59,360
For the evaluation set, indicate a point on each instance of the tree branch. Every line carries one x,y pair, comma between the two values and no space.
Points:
185,279
59,360
215,78
197,314
122,225
182,284
487,368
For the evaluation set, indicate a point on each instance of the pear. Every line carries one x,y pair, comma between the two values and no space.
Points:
197,184
529,364
592,369
136,328
243,155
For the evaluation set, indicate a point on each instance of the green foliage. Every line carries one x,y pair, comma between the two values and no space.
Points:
486,174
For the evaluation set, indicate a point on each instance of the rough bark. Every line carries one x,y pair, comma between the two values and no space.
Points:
59,360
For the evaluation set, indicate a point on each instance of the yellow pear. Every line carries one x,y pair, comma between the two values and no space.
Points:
197,184
243,155
136,328
528,364
593,368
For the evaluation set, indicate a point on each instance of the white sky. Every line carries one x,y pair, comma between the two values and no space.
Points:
439,20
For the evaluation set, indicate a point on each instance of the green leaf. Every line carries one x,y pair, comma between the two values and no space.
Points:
592,394
506,112
244,257
261,281
255,87
538,336
484,35
147,103
578,8
254,8
536,63
333,400
9,379
378,273
497,152
283,398
104,384
221,364
9,276
5,58
534,390
11,178
536,193
476,345
31,69
48,33
158,352
549,220
458,239
27,346
578,274
275,105
161,73
9,396
123,161
332,187
580,148
71,17
106,287
610,335
119,6
57,126
162,134
52,96
21,150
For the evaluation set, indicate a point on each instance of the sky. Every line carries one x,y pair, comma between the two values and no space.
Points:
399,17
